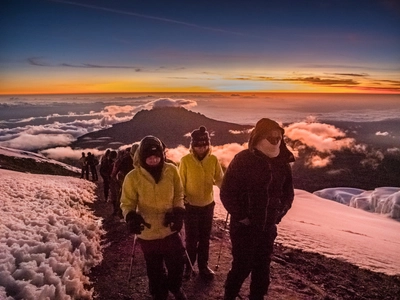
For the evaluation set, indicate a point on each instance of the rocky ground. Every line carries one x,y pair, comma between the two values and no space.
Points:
295,275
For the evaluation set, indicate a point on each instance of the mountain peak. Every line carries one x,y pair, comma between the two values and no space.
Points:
171,124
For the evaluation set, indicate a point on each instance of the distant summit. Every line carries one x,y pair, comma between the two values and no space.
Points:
170,124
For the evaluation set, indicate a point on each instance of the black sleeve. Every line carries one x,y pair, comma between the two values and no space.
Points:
287,189
233,190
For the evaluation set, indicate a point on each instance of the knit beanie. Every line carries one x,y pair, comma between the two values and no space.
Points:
200,137
263,127
150,145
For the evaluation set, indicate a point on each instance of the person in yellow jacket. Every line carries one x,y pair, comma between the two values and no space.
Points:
199,171
152,205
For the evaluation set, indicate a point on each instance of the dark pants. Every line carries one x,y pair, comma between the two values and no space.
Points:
251,251
198,225
164,263
94,173
115,197
106,186
85,172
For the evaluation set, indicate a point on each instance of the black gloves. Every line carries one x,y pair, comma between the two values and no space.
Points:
135,222
174,218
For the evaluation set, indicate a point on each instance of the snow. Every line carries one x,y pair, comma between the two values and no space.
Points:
49,239
35,156
383,200
368,240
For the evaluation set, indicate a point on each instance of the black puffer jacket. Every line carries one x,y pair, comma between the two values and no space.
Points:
258,187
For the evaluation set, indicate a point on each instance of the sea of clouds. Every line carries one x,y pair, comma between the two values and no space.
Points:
51,124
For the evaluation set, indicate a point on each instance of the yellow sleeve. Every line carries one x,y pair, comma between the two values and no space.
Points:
219,174
178,190
183,173
129,196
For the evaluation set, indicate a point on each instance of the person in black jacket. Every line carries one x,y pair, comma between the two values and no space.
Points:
92,163
257,191
106,167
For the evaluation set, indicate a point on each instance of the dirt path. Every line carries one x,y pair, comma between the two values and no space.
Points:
295,275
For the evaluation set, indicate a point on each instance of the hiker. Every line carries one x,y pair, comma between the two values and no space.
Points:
84,166
257,191
199,171
92,162
106,167
105,156
122,166
152,205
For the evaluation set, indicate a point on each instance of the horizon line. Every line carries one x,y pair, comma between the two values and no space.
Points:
202,92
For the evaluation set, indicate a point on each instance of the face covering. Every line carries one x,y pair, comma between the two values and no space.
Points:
271,150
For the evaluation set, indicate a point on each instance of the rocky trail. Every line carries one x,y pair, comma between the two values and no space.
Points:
295,274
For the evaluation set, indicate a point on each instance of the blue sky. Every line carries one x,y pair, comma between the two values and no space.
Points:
88,46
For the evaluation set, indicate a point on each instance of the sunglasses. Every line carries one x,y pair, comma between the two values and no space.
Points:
273,139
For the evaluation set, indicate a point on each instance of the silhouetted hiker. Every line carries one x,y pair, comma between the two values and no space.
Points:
152,204
257,191
84,166
106,167
122,166
199,171
91,162
105,155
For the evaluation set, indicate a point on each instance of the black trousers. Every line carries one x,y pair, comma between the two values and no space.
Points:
93,171
85,172
106,186
198,225
251,252
164,263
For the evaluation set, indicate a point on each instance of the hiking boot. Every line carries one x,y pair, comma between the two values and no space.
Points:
206,273
180,295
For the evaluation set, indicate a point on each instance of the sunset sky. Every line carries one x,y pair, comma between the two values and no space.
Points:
99,46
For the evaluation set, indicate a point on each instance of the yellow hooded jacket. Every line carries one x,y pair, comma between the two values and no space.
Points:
198,178
140,193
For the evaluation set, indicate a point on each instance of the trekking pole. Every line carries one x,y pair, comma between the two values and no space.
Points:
222,241
134,248
187,254
132,257
190,262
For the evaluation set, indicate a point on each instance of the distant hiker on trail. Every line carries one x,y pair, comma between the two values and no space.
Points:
257,191
84,166
106,167
122,166
105,156
152,204
92,162
199,171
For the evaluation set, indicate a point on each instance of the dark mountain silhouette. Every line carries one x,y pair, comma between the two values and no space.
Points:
170,124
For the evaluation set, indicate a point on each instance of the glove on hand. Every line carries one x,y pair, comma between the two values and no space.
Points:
174,218
135,222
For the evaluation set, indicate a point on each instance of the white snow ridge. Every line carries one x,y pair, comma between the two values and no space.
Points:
48,239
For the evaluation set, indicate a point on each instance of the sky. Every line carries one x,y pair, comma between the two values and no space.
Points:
49,239
99,46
